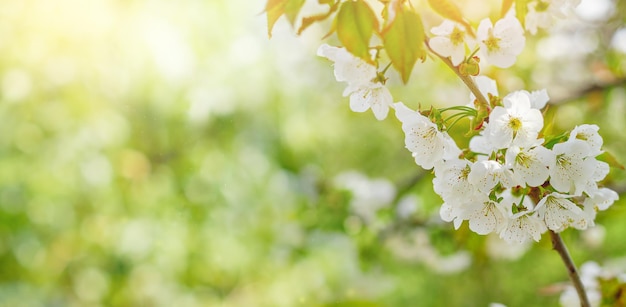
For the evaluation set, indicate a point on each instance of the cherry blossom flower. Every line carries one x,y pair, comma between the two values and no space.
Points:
422,137
602,199
570,171
449,42
517,123
486,217
364,92
530,165
481,143
501,44
523,226
541,13
452,212
558,212
589,134
348,68
538,16
538,99
452,184
372,95
487,173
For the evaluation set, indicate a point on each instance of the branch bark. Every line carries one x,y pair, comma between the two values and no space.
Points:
559,246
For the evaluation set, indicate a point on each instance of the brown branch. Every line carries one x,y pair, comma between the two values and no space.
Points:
594,88
469,82
559,246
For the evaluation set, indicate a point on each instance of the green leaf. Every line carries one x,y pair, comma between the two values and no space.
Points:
403,40
292,8
552,140
610,159
521,9
307,21
356,22
506,6
274,9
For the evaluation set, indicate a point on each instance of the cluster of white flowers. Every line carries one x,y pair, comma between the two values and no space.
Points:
500,44
509,163
510,181
541,13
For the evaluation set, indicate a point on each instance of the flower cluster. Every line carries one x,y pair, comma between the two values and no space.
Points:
541,13
500,44
510,181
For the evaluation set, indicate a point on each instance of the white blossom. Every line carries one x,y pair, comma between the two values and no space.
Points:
602,199
452,212
538,99
348,68
452,184
563,8
522,227
501,44
364,91
558,212
486,174
589,134
541,13
538,16
481,143
373,95
486,217
570,171
514,124
449,42
530,165
422,138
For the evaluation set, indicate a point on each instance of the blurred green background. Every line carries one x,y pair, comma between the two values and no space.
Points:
167,153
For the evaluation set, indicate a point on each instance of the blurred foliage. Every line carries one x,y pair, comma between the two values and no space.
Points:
159,153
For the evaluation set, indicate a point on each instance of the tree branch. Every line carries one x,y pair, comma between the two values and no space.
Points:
469,82
559,246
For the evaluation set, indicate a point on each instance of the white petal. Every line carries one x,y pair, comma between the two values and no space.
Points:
445,28
358,100
539,99
380,100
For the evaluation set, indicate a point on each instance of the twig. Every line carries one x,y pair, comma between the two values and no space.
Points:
559,246
469,82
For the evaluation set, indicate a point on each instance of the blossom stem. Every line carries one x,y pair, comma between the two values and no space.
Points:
467,80
559,246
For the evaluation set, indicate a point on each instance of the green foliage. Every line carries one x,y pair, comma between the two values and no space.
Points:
147,159
356,22
521,9
308,21
274,9
403,39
